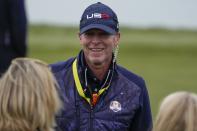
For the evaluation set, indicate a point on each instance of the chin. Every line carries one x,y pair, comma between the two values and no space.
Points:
96,61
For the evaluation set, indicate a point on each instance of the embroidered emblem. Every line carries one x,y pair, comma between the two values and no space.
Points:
115,106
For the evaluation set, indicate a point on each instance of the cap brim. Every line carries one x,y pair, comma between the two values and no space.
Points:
98,26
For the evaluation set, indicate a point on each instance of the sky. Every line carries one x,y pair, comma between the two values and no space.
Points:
134,13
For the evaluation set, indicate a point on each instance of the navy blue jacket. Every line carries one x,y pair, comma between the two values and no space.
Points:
13,26
123,107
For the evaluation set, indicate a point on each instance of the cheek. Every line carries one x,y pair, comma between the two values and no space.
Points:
83,43
108,51
111,46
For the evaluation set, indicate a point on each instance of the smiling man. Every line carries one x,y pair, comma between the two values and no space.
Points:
98,94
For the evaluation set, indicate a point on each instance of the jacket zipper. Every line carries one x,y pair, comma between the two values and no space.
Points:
91,117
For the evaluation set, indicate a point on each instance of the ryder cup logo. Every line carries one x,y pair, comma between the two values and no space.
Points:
115,106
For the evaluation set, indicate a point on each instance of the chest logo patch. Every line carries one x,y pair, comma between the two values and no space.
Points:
115,106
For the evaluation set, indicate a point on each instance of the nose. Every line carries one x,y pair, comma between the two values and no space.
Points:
96,39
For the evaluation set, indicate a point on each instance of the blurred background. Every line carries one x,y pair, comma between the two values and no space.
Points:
158,39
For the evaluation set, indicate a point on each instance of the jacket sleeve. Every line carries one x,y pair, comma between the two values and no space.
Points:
18,26
143,119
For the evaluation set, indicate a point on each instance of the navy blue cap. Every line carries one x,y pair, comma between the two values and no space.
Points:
99,16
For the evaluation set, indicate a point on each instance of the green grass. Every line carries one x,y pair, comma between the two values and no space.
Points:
166,59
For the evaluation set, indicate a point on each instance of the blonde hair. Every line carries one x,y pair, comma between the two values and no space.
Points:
178,112
28,97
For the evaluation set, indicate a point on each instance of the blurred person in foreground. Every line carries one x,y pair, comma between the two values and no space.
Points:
178,112
99,94
13,28
28,97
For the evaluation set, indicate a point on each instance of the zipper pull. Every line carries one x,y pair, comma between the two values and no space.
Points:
95,97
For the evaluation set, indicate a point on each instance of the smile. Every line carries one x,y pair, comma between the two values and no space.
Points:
96,49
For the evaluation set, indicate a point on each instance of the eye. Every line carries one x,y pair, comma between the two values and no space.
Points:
100,34
89,34
104,34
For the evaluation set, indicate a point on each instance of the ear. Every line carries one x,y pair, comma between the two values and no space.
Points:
79,36
116,39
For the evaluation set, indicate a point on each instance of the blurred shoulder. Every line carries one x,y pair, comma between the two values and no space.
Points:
59,66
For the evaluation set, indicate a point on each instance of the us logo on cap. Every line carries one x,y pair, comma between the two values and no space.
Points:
115,106
98,15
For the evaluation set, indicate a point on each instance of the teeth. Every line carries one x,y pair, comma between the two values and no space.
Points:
96,49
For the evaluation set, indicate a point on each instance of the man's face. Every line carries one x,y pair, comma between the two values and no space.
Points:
98,46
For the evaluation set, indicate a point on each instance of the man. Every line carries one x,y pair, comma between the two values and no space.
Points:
99,95
13,24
